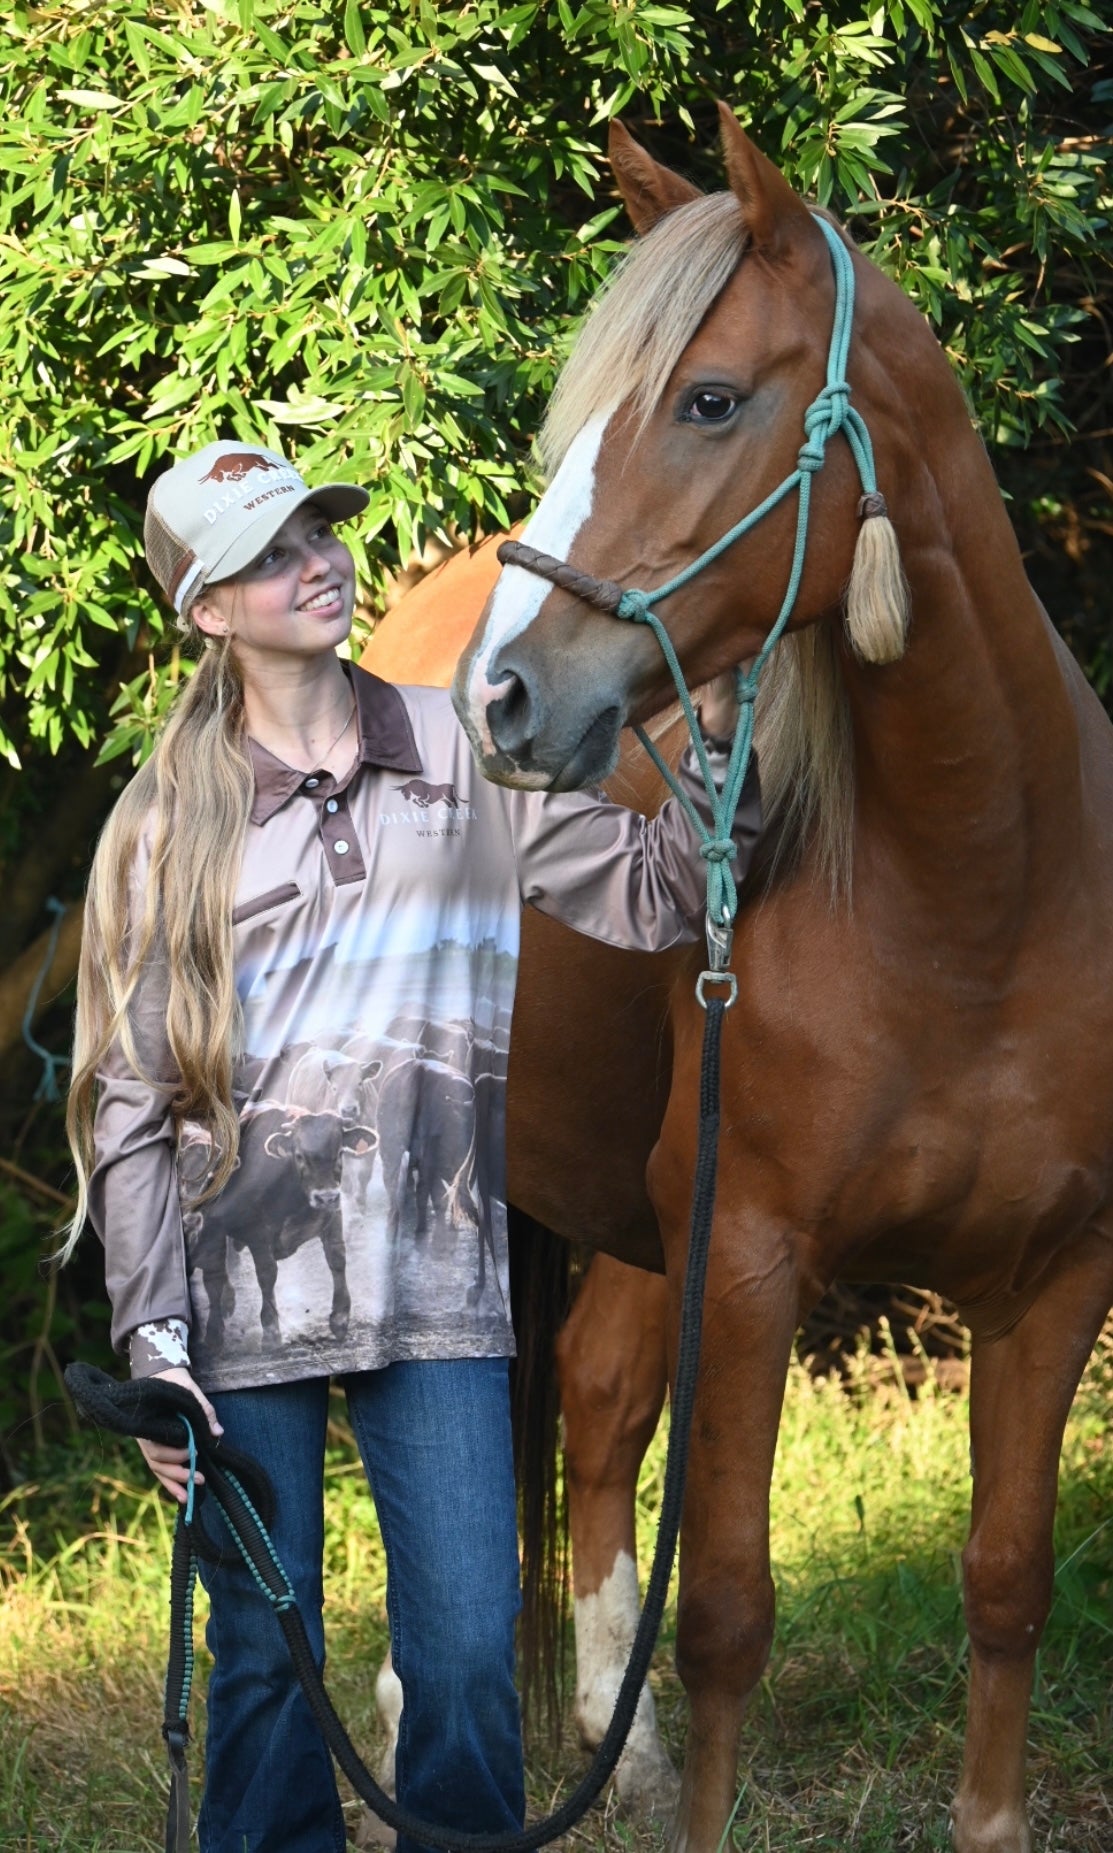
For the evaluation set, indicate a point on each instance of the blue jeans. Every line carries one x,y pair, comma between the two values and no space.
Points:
435,1442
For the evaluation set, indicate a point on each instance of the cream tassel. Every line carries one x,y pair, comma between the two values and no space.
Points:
877,608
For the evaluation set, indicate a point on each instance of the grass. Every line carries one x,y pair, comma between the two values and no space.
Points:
853,1740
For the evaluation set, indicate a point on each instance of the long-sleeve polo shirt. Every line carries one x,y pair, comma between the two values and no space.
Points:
376,928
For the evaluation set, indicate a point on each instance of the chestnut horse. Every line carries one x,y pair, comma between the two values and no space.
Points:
918,1074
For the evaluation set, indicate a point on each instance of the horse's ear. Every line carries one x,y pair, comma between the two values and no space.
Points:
648,190
770,208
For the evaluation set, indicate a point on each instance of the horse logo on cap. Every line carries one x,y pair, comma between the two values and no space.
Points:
236,465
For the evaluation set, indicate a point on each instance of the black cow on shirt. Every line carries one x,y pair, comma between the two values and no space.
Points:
284,1192
425,1120
331,1080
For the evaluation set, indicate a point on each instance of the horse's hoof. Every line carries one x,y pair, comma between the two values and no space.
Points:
371,1832
647,1785
338,1325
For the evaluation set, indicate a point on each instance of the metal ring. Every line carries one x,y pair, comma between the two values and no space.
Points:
727,978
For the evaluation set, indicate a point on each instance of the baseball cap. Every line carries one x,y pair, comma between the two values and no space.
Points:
214,512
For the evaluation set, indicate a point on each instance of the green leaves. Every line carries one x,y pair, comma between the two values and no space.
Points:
361,230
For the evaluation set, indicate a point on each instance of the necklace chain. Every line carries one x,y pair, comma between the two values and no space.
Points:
322,757
340,735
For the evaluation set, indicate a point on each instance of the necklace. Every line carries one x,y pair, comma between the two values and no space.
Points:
334,743
321,758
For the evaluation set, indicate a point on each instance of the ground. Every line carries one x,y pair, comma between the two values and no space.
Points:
853,1740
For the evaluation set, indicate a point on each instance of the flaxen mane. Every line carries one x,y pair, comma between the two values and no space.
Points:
627,346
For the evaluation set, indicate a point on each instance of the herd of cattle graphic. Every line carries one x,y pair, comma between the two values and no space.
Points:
423,1105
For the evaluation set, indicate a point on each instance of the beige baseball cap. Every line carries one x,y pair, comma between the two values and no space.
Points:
213,513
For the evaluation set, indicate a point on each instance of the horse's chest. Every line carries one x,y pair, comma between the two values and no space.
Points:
937,1128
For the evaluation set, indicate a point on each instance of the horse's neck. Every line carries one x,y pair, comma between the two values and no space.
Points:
966,751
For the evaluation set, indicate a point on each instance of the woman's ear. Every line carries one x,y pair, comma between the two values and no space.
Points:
205,614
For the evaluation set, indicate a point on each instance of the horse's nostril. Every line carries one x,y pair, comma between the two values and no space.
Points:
510,718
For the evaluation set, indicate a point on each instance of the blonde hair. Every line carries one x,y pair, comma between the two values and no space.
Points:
191,803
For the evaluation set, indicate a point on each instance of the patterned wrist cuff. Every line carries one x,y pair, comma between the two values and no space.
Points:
162,1344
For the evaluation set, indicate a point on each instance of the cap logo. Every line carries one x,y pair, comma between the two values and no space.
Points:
234,467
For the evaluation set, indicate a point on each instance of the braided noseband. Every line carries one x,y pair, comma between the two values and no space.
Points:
604,594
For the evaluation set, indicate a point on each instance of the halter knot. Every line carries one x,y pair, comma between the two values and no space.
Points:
718,849
633,605
825,415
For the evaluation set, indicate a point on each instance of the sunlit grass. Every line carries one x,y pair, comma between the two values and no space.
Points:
854,1738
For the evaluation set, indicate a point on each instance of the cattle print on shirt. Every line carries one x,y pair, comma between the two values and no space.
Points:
365,1220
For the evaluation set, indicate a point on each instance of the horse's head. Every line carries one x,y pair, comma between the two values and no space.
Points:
680,411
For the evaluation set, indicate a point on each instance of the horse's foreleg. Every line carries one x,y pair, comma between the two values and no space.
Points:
612,1368
1021,1389
726,1603
370,1831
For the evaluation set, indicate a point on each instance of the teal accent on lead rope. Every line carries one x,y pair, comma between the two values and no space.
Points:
830,412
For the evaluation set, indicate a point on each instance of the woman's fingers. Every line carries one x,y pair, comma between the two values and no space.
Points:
182,1377
170,1466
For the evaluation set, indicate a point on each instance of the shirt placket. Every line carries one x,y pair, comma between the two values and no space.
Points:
343,851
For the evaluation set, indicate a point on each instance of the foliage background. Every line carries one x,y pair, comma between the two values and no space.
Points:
361,232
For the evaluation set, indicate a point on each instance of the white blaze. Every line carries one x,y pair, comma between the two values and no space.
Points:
519,595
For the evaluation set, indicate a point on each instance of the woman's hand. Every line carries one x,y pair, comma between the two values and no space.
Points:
170,1466
718,707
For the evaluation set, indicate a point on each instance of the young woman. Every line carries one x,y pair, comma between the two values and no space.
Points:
288,1112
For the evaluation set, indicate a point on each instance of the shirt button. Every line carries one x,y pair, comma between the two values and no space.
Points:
332,805
312,784
341,847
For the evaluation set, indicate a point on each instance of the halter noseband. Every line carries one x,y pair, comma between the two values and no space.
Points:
829,412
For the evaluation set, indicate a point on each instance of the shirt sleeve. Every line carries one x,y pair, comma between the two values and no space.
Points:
133,1188
629,880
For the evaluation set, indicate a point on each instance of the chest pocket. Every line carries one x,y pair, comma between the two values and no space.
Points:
281,896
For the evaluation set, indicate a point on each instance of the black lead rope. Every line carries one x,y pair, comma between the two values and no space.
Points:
156,1411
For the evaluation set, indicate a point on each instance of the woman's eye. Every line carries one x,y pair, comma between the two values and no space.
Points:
710,408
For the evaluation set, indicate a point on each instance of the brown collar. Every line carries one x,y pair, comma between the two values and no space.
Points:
385,739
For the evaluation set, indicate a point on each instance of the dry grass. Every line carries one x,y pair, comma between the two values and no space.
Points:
854,1736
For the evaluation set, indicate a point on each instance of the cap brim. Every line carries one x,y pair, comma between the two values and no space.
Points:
339,501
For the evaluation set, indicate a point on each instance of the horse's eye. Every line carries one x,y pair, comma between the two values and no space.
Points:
710,408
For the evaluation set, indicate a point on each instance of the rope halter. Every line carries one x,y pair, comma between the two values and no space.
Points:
829,413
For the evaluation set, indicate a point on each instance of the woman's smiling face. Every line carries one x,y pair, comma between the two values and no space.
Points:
296,599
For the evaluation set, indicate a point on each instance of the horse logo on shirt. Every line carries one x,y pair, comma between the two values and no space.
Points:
420,792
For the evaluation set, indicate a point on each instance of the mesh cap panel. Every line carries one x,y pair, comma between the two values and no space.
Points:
168,557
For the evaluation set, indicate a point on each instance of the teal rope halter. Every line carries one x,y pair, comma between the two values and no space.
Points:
829,413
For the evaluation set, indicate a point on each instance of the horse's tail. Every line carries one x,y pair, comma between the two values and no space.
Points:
540,1294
